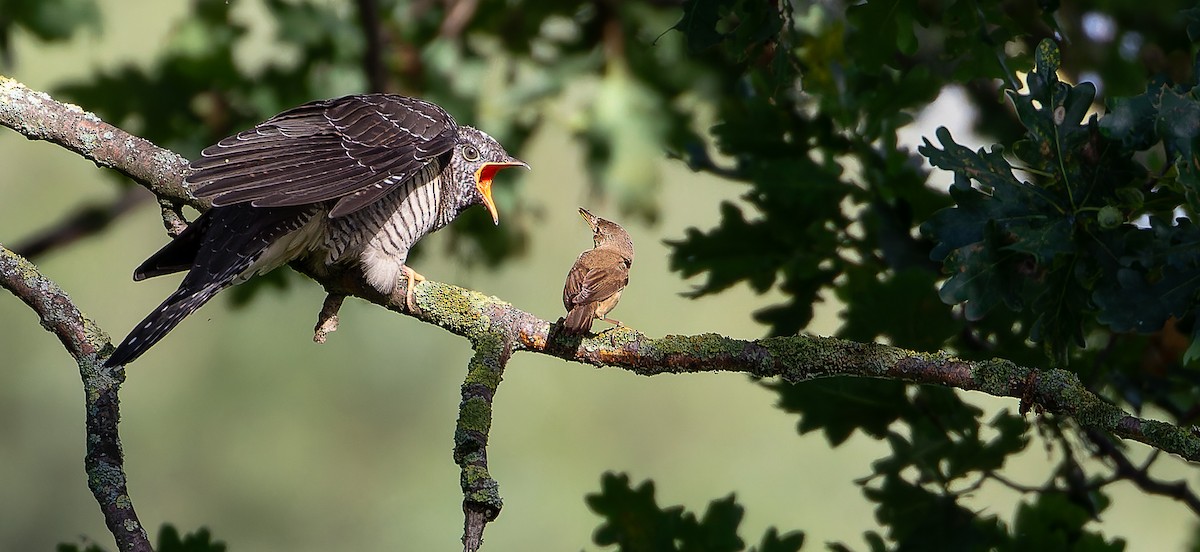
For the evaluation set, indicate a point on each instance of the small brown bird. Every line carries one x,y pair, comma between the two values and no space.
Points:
595,282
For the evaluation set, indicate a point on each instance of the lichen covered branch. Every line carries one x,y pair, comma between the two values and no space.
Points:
481,494
89,345
470,314
37,116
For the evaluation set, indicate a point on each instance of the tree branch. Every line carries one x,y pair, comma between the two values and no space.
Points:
372,27
36,116
481,319
89,345
481,495
85,221
1124,469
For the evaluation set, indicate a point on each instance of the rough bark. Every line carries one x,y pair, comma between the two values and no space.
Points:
89,346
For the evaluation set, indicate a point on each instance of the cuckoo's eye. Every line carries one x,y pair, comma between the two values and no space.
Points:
470,153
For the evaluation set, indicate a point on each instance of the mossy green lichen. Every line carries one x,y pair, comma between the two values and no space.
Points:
454,308
475,414
479,486
709,345
1170,438
996,376
617,337
483,376
473,475
485,367
794,356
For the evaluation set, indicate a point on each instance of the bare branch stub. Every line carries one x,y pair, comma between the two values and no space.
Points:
327,319
88,344
172,217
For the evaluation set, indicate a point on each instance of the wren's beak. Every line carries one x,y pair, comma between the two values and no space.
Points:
589,217
483,181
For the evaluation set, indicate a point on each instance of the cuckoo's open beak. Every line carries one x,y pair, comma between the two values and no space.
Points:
483,181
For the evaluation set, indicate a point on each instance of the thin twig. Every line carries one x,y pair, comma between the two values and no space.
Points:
1125,469
1019,487
85,221
327,319
172,217
373,66
458,14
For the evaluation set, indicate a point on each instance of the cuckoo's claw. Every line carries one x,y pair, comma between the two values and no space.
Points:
410,281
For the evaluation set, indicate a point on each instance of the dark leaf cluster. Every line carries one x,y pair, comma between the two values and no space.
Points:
169,540
635,522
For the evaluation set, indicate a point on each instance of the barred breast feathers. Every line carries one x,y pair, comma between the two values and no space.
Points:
379,236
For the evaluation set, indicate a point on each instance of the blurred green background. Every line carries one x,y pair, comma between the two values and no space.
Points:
238,422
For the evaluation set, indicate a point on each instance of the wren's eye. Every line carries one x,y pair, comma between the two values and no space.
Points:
470,153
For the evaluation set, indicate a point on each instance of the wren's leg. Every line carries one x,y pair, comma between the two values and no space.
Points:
411,278
612,321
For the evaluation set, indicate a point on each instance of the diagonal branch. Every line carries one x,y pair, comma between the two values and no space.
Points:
37,116
85,221
796,358
88,344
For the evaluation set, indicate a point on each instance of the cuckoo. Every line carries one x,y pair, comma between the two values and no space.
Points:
595,281
348,182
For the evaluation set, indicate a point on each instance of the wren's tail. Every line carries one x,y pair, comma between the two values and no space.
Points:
215,249
580,318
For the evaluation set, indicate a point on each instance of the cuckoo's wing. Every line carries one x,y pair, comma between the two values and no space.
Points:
352,149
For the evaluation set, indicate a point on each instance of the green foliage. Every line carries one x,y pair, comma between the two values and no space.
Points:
839,406
1037,246
200,541
919,519
48,20
634,522
1071,249
169,540
1055,522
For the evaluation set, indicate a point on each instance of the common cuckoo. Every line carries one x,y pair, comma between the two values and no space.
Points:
352,181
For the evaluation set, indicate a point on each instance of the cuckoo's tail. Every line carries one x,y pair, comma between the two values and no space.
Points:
217,250
162,320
